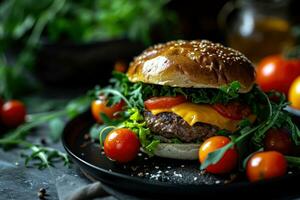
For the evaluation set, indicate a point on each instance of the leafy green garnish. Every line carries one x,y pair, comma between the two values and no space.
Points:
137,124
45,156
134,94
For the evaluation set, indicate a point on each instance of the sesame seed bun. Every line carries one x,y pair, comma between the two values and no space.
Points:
197,64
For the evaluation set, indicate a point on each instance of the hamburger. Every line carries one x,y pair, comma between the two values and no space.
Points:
180,93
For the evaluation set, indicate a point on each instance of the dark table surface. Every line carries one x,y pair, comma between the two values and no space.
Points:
20,182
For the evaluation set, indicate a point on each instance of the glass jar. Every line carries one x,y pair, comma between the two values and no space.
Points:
257,28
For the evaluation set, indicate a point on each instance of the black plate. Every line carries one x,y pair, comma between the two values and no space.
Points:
159,178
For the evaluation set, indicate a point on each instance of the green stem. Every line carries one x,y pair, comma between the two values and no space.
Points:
292,160
115,92
54,8
23,130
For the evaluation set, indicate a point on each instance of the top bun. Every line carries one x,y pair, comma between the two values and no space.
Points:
197,64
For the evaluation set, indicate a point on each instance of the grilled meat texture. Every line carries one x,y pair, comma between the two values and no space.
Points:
170,125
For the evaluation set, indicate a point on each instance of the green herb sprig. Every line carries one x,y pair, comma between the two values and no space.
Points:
45,156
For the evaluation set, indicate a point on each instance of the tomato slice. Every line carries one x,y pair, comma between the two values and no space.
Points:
233,110
164,102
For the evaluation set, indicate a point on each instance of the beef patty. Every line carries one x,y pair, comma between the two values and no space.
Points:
170,125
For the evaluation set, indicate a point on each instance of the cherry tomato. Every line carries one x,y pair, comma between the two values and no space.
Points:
266,165
164,102
120,66
121,145
233,110
278,140
100,106
229,160
13,113
277,73
294,93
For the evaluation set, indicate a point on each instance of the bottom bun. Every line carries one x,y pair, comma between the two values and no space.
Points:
177,151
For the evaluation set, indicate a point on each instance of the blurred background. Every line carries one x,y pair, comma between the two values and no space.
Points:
63,44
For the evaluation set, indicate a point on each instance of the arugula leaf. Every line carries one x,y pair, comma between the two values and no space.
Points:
215,156
134,94
45,156
136,123
232,89
152,146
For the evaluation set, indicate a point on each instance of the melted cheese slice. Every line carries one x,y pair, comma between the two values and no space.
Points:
193,113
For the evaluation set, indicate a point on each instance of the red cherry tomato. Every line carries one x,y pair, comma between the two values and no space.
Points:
278,140
277,73
100,106
233,110
266,165
164,102
121,145
120,66
13,113
229,160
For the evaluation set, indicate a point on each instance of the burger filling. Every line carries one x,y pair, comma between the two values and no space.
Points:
170,126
